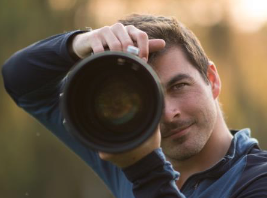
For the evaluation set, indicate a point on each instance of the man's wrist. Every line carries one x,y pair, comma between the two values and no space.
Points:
146,164
70,44
73,55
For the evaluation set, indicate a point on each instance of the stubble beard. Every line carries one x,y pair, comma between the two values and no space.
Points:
185,147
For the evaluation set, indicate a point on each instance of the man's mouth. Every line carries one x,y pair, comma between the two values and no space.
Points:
178,131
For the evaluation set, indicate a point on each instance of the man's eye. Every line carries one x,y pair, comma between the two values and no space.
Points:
179,86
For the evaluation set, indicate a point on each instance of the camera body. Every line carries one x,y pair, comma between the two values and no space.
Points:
112,101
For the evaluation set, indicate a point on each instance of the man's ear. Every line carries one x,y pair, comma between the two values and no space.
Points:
214,80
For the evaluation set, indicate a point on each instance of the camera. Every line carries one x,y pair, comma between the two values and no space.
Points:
112,101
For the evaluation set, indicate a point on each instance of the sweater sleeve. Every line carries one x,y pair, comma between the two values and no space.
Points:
153,177
37,65
34,77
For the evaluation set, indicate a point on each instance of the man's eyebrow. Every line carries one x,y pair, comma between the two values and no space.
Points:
177,78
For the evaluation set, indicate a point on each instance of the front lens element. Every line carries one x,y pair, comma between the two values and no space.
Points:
117,102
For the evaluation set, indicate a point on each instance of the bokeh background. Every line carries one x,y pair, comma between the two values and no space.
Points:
33,163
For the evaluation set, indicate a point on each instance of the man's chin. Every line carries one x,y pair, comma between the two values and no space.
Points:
179,155
180,149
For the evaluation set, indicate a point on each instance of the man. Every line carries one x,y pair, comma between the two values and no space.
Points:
210,160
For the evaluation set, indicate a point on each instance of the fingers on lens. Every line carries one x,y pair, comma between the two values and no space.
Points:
96,42
110,39
122,35
118,37
141,38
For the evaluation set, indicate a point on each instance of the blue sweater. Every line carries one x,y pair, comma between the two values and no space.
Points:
34,78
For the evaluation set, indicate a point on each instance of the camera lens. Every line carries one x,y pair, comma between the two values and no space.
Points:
112,101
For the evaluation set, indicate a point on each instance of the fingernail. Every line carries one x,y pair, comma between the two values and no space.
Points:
145,59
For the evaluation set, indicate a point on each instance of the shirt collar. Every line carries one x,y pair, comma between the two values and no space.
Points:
241,144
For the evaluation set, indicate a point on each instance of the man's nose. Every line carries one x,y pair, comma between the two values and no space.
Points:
171,110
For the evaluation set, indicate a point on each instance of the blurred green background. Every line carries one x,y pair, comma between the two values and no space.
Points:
233,32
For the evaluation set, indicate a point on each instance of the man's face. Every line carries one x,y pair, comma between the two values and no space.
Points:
190,114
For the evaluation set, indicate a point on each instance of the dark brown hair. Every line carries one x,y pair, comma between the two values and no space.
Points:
175,34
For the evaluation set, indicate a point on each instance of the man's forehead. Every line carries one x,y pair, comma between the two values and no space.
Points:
173,66
174,55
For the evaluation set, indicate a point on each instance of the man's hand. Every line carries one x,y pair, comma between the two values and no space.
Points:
117,38
128,158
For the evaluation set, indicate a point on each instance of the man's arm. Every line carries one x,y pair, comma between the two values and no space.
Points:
42,63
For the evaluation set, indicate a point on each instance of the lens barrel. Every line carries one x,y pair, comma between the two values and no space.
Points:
112,101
